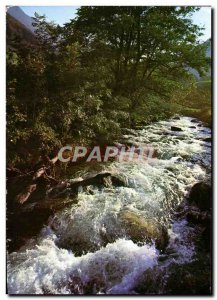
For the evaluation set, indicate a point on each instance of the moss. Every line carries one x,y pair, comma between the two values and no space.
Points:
141,229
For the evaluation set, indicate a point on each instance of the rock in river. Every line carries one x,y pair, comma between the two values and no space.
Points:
208,139
176,118
141,229
201,195
174,128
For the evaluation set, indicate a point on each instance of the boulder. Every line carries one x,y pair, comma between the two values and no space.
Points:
140,229
203,219
201,196
13,172
174,128
102,179
152,282
198,218
193,278
23,197
24,224
193,127
188,279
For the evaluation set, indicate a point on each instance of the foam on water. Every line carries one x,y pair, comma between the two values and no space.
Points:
48,269
107,260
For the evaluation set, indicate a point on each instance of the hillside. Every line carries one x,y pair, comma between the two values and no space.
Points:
17,13
208,54
16,30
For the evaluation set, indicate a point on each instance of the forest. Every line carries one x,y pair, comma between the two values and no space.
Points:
109,68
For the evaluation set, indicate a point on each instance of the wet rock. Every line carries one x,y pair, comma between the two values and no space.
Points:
104,178
25,222
23,225
192,278
71,187
189,279
203,219
75,285
206,237
193,127
15,186
165,133
176,118
95,286
58,189
174,128
88,189
152,282
21,198
79,246
209,139
117,180
21,191
201,196
198,218
194,121
13,172
141,229
82,240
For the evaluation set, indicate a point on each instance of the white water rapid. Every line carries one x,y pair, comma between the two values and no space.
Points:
86,249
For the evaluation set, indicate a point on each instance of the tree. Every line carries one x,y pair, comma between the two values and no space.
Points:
148,50
110,67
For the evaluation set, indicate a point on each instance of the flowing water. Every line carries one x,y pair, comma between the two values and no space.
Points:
85,248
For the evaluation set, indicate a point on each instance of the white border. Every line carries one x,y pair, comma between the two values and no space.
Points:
3,4
107,2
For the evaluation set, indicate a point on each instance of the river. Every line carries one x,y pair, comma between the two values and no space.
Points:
88,248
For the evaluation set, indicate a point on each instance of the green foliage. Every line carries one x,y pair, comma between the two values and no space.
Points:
110,67
197,102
